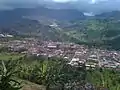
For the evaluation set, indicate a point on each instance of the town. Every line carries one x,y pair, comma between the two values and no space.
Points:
74,53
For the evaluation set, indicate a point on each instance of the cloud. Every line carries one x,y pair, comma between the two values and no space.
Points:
64,1
98,6
87,1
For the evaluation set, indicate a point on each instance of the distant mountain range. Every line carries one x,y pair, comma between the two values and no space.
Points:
10,16
109,15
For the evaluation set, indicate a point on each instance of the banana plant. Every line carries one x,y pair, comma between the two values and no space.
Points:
7,73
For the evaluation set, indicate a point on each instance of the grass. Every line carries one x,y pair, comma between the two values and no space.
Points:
10,56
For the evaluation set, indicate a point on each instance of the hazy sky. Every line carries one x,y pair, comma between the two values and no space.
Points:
87,5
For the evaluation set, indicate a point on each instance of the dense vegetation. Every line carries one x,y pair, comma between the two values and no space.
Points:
56,74
7,76
109,79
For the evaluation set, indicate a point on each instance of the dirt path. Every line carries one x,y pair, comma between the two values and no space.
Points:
32,86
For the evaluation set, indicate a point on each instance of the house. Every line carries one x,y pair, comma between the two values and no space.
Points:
52,46
2,35
9,35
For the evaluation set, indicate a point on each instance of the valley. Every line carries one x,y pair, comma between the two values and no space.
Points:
59,49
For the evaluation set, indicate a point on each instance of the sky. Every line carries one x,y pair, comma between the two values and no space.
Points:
84,5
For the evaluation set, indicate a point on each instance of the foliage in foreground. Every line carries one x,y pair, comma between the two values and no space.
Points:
7,73
56,73
52,72
106,78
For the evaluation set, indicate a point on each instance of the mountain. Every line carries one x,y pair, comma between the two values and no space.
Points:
10,16
109,15
98,32
63,25
27,27
48,14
